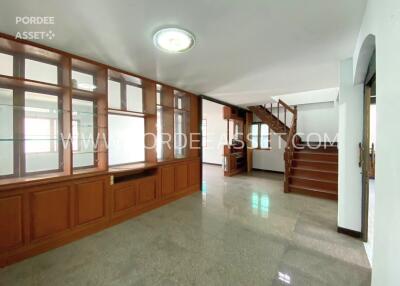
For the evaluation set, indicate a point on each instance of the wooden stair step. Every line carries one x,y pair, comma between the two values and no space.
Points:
316,156
314,183
315,164
315,173
315,192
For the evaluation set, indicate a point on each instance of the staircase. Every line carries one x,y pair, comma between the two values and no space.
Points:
310,168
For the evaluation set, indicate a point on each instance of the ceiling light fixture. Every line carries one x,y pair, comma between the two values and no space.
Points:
173,40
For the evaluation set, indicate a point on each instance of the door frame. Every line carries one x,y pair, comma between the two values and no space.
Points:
364,161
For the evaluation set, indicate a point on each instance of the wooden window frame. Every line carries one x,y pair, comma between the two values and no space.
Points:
259,136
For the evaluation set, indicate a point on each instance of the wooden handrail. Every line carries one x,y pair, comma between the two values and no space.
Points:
292,110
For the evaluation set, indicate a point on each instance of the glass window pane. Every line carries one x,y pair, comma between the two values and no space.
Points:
6,132
83,81
254,135
180,135
114,94
126,139
83,137
6,64
264,139
41,132
40,71
134,98
159,135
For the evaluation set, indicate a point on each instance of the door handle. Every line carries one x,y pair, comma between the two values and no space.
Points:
361,155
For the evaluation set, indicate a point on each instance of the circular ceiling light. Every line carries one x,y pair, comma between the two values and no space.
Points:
173,40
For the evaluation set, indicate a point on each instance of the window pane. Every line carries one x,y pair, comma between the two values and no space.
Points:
114,94
6,64
180,135
204,132
41,132
41,71
6,132
159,134
126,139
83,137
254,135
134,98
83,81
264,139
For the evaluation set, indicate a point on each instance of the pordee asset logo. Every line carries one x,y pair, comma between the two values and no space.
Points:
33,21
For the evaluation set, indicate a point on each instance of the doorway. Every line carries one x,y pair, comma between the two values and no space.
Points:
367,158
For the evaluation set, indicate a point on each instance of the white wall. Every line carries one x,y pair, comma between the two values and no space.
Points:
316,120
382,18
271,160
216,132
350,134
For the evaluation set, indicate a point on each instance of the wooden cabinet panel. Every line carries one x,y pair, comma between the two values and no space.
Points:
167,180
147,189
125,197
90,201
10,222
181,177
194,173
50,211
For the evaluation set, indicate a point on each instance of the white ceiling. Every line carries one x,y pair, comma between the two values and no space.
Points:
246,51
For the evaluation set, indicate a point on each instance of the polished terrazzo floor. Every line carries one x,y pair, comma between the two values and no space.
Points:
238,231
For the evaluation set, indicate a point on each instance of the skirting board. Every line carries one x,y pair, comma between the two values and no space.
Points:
352,233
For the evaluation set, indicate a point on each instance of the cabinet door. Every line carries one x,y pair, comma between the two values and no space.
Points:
90,198
147,190
124,196
167,180
50,211
10,222
181,177
194,173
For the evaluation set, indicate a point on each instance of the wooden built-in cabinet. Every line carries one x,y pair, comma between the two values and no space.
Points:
42,210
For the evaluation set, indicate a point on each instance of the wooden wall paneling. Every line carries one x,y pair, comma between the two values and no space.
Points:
167,180
65,80
195,120
167,96
102,120
50,211
147,189
149,97
11,222
125,196
90,200
194,172
181,176
247,131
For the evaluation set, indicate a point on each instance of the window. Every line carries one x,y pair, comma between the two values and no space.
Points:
6,132
159,135
254,135
260,137
83,133
134,98
40,71
204,132
126,139
41,125
180,135
6,64
83,81
114,94
158,91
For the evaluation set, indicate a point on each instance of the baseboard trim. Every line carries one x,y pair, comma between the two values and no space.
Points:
213,164
350,232
269,171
